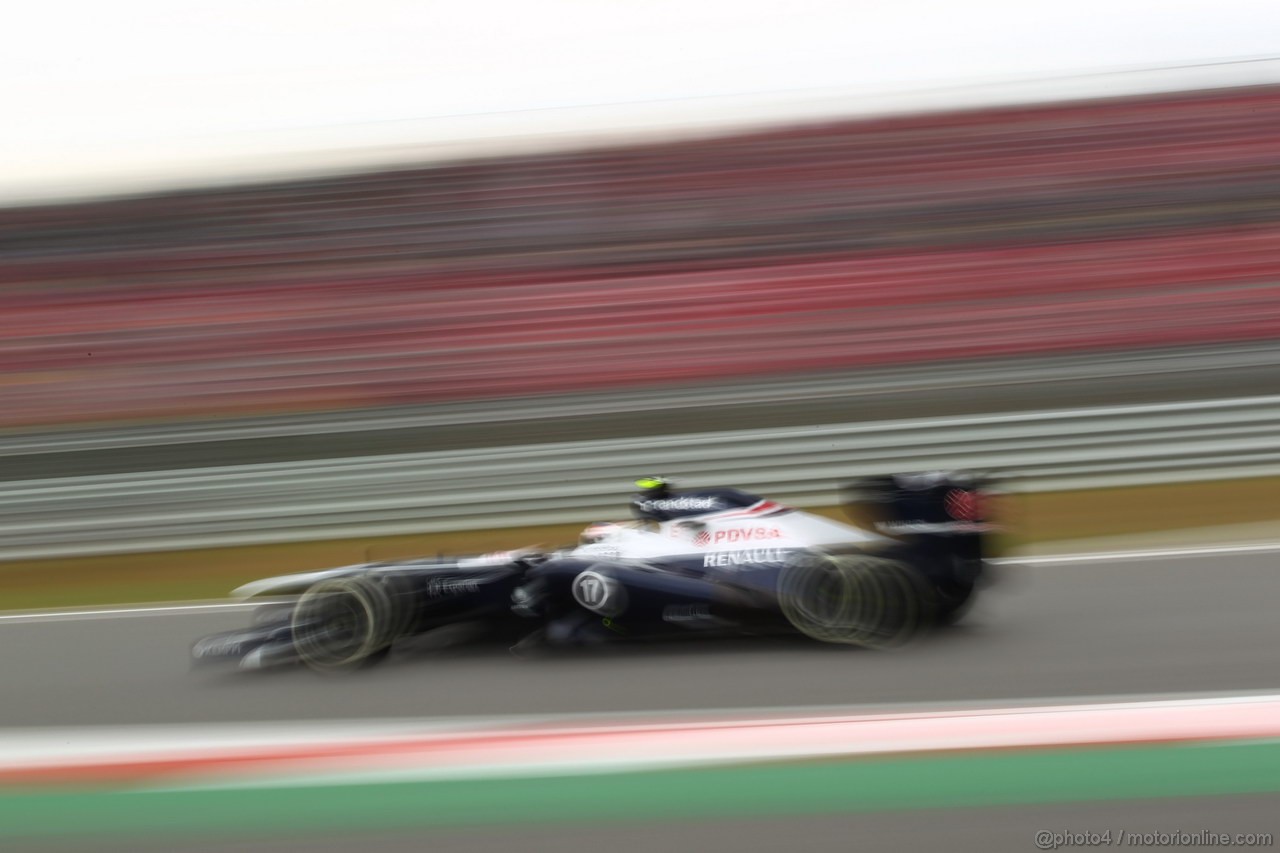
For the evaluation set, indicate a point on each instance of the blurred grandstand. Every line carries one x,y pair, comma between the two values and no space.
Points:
1111,225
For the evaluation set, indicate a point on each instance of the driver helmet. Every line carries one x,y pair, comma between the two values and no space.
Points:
654,487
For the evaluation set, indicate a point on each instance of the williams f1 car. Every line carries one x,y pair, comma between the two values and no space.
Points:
712,562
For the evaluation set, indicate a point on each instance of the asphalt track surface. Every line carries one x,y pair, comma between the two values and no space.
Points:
1070,631
1164,625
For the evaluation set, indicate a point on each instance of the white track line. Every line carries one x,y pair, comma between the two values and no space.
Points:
126,612
1102,557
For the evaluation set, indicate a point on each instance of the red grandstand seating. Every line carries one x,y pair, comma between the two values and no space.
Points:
1049,229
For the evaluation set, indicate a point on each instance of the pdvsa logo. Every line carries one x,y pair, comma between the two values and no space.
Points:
747,534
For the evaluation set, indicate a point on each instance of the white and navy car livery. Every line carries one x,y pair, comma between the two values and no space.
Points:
701,562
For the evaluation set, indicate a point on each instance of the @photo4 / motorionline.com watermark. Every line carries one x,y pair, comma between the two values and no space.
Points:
1047,839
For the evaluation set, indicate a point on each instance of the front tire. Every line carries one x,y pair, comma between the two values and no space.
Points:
343,624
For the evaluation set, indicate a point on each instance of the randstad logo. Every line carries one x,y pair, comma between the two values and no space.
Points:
668,504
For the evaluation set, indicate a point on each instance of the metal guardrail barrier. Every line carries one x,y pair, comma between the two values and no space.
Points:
586,480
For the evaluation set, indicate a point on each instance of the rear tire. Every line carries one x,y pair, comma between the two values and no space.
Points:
954,601
855,599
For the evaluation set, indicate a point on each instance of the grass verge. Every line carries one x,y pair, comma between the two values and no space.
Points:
793,788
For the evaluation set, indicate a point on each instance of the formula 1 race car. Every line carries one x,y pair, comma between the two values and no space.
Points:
712,562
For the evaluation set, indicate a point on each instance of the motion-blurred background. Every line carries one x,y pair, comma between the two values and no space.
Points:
1013,232
840,187
289,284
422,268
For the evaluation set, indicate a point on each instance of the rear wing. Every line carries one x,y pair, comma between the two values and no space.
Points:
955,506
